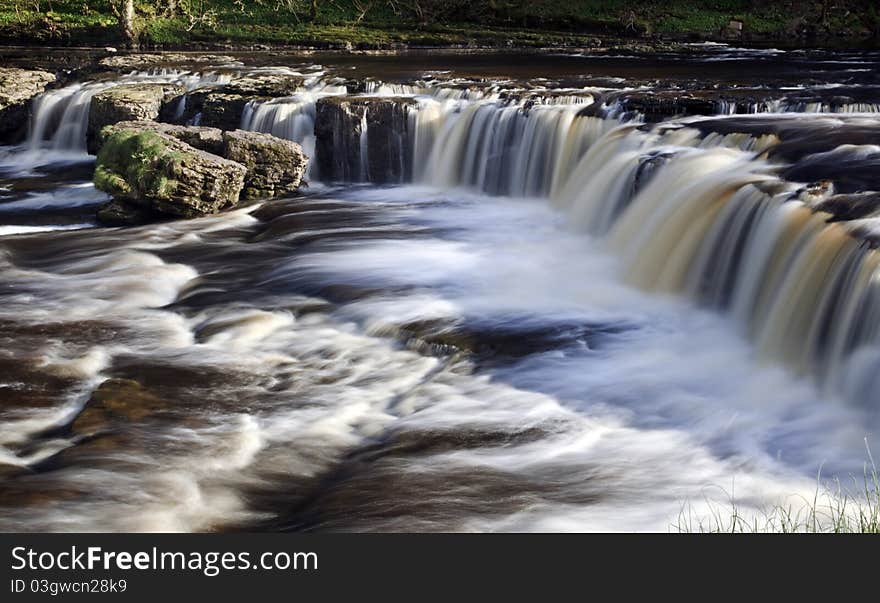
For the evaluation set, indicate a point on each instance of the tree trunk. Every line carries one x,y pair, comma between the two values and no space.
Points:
126,23
313,11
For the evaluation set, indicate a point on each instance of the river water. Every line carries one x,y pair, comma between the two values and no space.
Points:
558,319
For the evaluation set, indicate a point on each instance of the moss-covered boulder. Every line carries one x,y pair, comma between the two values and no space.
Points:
133,102
158,172
275,166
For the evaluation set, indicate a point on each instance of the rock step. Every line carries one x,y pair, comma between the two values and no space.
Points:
17,88
129,102
339,127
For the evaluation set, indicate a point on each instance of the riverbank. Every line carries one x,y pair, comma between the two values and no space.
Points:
349,26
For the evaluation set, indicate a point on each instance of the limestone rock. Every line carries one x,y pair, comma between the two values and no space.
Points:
156,171
128,62
17,88
275,166
224,111
202,138
340,147
265,84
133,102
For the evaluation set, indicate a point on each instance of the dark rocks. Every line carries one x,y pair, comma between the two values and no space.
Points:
658,106
17,88
134,102
159,173
275,166
851,207
120,212
347,151
224,111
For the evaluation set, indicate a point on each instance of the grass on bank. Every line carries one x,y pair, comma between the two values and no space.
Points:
832,509
380,23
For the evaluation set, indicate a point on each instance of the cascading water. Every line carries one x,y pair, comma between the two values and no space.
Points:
688,212
292,118
565,318
60,118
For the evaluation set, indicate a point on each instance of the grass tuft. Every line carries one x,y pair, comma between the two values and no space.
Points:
833,509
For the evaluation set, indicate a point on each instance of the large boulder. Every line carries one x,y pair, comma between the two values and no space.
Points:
134,102
157,173
202,138
275,166
17,88
341,140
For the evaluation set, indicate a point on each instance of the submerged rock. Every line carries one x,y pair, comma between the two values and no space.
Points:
17,88
134,102
116,403
275,166
363,138
120,212
158,172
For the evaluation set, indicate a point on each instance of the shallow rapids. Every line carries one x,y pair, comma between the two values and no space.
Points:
391,359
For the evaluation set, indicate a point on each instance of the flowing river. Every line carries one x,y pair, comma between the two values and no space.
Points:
546,307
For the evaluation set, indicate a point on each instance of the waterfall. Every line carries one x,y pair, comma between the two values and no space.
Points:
710,221
500,146
700,214
364,149
689,213
60,118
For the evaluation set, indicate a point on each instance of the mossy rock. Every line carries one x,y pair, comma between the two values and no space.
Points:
155,170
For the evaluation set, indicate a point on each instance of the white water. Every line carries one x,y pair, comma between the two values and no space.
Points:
699,334
670,407
291,117
60,118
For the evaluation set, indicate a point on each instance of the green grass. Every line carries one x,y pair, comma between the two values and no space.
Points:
450,22
833,509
